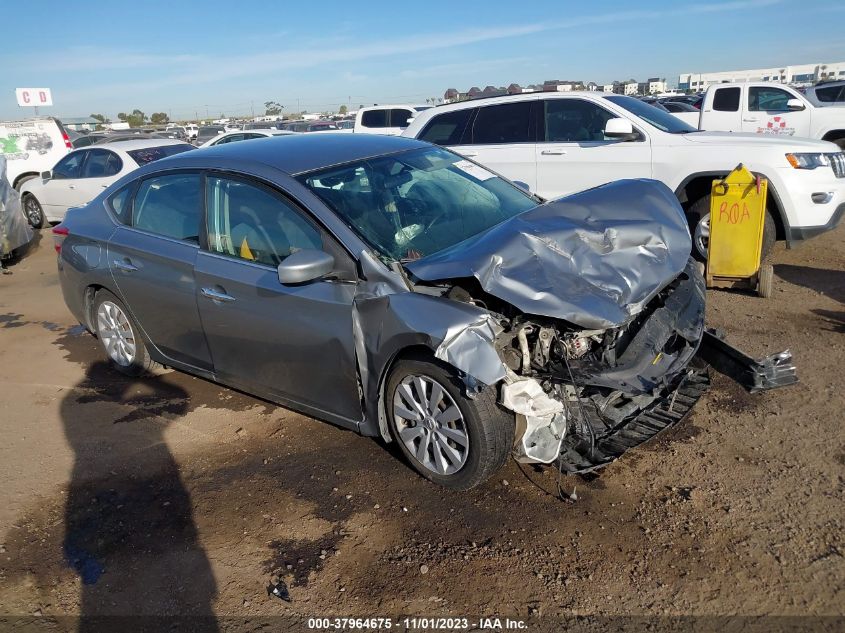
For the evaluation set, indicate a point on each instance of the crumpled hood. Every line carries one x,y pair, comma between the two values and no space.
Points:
594,258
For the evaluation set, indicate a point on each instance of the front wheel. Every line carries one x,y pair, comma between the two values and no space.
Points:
698,216
447,437
33,211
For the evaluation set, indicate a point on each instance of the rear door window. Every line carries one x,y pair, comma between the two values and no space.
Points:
374,118
170,206
101,163
505,123
726,99
447,128
150,154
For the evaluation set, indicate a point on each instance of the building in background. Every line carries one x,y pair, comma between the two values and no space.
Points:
799,75
652,86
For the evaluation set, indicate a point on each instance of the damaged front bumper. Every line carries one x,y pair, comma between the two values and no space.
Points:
593,409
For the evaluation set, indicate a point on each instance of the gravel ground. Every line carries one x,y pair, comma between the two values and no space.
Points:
170,495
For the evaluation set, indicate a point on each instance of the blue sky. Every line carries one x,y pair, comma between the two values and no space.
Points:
230,57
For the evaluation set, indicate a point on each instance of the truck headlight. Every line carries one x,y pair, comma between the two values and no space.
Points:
808,161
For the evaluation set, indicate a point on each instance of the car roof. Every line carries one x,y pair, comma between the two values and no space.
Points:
143,143
299,153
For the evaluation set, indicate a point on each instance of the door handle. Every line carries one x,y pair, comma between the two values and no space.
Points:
71,186
216,295
750,120
553,152
125,265
470,154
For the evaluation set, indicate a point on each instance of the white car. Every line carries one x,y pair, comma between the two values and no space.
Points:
771,109
234,137
389,120
80,176
559,143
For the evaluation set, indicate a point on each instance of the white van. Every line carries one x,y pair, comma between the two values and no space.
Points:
389,120
31,146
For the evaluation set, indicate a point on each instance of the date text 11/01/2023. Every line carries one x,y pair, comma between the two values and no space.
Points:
417,624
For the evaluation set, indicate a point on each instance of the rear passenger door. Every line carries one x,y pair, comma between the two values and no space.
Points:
503,137
151,256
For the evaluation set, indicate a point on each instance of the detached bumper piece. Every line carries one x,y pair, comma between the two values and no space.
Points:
580,455
771,372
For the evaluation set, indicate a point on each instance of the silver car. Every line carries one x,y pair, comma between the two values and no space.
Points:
396,289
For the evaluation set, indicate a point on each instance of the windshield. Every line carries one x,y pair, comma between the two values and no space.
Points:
416,203
659,118
150,154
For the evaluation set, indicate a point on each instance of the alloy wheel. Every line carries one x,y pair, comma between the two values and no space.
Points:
430,425
33,212
116,333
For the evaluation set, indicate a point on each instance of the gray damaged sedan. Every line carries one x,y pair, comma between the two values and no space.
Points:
394,288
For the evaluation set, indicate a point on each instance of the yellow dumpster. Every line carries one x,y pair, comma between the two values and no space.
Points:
737,213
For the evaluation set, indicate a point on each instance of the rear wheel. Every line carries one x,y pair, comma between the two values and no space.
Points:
33,211
119,336
698,216
448,438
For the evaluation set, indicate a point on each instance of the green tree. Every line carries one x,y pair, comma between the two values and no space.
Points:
272,108
159,118
101,118
135,119
343,110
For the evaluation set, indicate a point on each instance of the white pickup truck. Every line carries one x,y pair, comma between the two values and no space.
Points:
559,143
766,108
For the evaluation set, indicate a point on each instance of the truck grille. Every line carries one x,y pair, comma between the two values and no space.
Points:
837,162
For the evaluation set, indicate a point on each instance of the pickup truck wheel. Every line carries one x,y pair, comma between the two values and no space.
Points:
698,216
453,440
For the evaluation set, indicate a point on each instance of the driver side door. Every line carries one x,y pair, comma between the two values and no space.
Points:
60,191
573,153
289,343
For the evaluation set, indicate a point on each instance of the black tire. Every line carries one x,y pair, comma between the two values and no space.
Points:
839,141
700,210
489,427
140,361
33,211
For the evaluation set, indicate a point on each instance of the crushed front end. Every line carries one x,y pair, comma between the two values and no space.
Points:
616,388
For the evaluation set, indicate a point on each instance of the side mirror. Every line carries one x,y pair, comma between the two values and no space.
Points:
522,185
795,105
305,265
47,175
619,129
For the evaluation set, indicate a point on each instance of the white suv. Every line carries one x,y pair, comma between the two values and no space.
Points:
556,144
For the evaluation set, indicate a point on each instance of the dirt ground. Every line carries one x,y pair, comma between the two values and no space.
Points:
171,495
